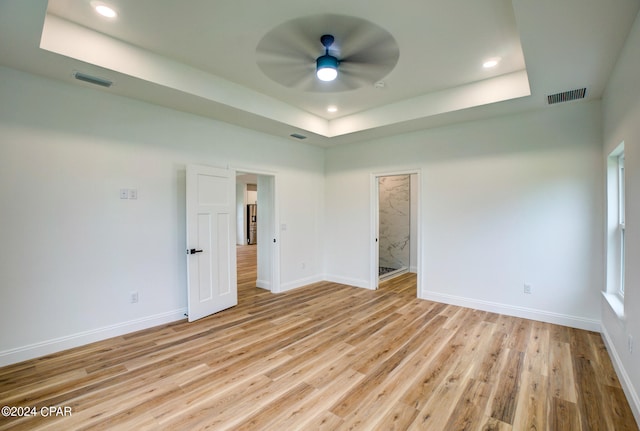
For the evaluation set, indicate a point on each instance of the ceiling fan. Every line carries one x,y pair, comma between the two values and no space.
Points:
305,52
327,65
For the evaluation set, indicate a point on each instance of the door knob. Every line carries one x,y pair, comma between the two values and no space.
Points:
194,251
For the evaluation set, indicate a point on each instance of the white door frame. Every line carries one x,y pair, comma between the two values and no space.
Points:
375,215
275,217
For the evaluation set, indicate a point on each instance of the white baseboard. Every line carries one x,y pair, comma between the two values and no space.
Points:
263,284
512,310
47,347
300,283
348,281
625,381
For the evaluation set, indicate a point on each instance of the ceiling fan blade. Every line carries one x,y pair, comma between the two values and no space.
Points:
290,39
352,80
370,51
385,52
288,73
304,82
368,73
366,52
282,57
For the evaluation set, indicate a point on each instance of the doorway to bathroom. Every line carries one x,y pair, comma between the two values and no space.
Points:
395,221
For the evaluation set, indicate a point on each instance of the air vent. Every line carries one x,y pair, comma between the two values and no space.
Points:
92,79
298,136
567,96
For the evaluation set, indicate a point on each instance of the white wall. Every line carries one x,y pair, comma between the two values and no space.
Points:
621,108
505,202
72,250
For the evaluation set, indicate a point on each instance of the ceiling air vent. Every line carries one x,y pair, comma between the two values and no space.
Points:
298,136
92,79
567,96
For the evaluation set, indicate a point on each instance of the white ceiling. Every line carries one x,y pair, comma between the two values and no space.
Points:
200,56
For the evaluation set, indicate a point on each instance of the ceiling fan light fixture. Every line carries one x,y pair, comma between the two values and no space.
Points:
326,65
327,68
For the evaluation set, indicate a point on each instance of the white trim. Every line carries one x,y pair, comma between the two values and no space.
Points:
263,284
625,381
616,304
516,311
253,171
54,345
300,283
348,281
614,224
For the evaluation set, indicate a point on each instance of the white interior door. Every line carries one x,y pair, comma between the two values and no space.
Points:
211,239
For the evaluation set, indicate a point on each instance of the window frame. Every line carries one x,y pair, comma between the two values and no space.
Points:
615,230
621,220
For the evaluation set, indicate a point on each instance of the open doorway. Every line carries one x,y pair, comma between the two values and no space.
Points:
246,208
256,235
394,225
395,222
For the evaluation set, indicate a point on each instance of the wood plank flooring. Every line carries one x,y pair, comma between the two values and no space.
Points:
328,357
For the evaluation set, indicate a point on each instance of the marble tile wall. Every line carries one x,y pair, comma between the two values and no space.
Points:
394,221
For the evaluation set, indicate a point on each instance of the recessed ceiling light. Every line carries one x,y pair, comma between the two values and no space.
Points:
332,109
492,62
104,10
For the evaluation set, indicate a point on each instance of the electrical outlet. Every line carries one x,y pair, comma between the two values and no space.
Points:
124,193
133,297
527,289
630,342
133,193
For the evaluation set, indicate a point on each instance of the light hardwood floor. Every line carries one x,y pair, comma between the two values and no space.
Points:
328,357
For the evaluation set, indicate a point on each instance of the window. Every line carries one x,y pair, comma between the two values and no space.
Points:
621,220
616,227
